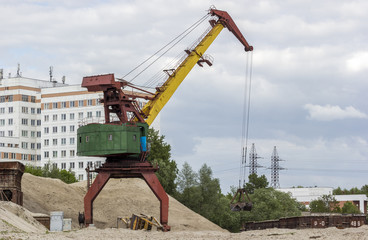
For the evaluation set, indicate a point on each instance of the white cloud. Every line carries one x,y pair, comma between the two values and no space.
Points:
358,62
330,113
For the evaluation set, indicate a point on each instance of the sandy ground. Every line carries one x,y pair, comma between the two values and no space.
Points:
89,233
119,198
122,197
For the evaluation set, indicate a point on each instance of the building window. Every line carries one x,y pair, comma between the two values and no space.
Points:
33,111
89,102
98,113
38,134
71,165
63,117
2,98
54,141
54,129
24,133
46,142
63,128
24,145
80,103
89,114
71,116
24,98
24,156
33,145
80,177
10,98
63,104
33,99
80,115
2,110
47,105
63,165
25,110
2,133
10,109
46,154
38,110
38,145
72,141
54,154
80,164
38,122
46,130
72,128
63,154
33,122
63,141
24,121
46,118
72,153
38,157
98,163
6,155
10,121
33,134
12,155
2,122
10,133
54,105
54,117
71,104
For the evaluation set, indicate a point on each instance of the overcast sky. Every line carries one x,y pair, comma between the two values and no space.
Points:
309,82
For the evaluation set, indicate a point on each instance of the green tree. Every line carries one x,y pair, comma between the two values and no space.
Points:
255,182
160,155
210,192
349,207
48,170
188,188
325,204
364,189
269,204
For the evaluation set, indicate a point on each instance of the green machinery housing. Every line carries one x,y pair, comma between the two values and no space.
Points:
102,140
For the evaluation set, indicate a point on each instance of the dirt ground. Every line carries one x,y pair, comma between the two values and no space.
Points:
122,197
119,198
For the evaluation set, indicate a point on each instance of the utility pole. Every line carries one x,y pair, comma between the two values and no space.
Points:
253,163
275,169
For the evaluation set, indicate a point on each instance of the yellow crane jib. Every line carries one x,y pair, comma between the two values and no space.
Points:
195,56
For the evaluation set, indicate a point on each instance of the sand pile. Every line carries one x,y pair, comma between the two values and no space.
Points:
119,198
14,218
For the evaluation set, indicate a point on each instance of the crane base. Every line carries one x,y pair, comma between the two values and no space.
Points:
119,168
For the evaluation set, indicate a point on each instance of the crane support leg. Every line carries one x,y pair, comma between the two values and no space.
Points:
118,168
154,184
93,191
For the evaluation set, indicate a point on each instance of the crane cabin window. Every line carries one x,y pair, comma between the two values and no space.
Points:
110,137
87,138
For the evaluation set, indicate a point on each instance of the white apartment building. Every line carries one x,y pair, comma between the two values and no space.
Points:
39,121
63,109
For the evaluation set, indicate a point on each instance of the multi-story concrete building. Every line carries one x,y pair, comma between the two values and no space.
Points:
63,109
39,121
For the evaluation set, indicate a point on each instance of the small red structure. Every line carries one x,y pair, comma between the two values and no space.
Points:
10,182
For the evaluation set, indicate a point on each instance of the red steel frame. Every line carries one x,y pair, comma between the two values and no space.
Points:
127,169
